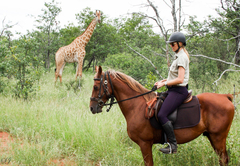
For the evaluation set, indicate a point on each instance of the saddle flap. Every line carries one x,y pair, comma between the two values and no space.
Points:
149,109
154,105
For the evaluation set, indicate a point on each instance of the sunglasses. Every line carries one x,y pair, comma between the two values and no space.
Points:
173,44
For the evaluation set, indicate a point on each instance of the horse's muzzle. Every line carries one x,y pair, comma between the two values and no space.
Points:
95,108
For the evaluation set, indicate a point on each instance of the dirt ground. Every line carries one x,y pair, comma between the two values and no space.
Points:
5,140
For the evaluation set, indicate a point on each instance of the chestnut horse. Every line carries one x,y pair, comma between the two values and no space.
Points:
217,112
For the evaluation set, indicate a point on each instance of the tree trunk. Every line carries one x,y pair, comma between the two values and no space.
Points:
238,49
179,17
174,16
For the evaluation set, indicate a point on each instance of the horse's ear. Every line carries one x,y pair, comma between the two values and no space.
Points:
99,70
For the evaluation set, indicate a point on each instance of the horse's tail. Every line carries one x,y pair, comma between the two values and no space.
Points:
230,97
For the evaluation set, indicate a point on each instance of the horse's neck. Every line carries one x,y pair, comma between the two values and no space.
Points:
130,107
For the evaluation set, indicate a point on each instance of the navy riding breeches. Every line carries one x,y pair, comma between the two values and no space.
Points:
176,96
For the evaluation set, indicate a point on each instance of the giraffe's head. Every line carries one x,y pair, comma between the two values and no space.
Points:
98,16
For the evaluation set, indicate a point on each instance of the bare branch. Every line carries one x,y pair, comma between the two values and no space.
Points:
229,63
159,21
162,55
5,27
229,24
222,5
228,39
145,58
167,4
215,82
166,51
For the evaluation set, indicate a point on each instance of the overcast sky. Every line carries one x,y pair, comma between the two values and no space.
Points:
19,11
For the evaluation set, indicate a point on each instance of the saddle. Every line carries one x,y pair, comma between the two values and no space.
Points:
154,105
186,115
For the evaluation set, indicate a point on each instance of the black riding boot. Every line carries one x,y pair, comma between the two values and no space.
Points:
172,146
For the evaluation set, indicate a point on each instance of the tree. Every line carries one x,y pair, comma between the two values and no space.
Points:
215,43
177,23
4,52
48,31
138,31
68,34
22,65
227,27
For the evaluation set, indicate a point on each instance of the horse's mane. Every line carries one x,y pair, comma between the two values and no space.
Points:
132,83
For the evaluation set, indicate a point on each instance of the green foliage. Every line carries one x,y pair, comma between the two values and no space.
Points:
150,80
47,34
4,51
227,27
68,34
131,65
203,72
23,66
108,45
138,31
137,66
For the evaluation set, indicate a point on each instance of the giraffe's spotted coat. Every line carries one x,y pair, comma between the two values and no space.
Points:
75,52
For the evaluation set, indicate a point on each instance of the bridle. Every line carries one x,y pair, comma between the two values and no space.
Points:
106,92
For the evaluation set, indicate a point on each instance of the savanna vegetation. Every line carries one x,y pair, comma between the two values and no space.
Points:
52,122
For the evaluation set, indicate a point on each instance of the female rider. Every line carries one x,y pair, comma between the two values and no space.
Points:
176,83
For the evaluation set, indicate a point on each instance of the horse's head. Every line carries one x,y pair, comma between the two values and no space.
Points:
101,91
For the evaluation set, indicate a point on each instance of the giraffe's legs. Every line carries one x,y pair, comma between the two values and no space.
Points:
79,66
77,71
79,87
59,71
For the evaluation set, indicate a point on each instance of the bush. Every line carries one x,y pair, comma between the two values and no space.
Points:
133,65
22,66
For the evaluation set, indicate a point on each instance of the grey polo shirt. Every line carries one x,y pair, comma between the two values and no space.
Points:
181,59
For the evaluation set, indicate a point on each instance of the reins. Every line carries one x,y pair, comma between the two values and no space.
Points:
99,100
132,97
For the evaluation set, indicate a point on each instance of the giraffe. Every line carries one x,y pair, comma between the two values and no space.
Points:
75,52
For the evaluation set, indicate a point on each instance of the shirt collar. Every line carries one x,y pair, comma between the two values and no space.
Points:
178,54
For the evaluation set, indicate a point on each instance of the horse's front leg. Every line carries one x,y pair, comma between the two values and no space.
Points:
146,148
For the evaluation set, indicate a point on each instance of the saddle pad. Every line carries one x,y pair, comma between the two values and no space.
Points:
188,115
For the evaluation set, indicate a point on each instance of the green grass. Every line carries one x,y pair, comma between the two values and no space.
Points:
57,124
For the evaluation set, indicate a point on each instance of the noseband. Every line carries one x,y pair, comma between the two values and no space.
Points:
105,91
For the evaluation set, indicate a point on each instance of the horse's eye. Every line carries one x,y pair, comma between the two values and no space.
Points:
95,87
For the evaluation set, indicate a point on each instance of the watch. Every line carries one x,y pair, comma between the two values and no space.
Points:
165,83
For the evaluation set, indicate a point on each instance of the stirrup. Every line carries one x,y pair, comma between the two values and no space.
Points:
170,147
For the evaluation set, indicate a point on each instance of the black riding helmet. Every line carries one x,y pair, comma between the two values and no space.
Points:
177,37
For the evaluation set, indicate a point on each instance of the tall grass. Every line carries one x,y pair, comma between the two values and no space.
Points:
56,124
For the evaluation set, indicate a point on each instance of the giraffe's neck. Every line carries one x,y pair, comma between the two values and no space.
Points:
87,34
